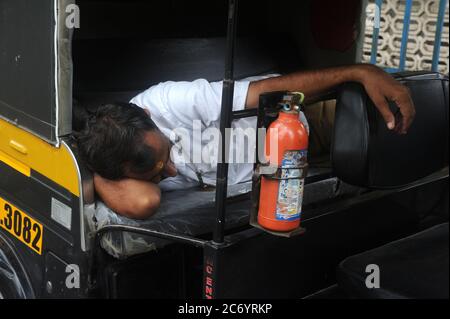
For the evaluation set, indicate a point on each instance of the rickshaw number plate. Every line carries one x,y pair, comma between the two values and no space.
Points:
21,225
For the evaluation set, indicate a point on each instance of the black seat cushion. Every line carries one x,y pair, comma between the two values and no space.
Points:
413,267
366,153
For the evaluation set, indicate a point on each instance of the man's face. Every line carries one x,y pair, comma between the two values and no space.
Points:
164,166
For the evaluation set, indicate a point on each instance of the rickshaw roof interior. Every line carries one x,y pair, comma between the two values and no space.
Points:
150,42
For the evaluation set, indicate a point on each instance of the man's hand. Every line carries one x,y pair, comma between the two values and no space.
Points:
381,88
129,197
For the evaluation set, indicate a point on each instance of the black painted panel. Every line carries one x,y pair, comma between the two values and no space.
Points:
27,80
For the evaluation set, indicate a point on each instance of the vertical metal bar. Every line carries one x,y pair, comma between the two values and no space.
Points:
376,31
438,37
391,70
225,122
405,34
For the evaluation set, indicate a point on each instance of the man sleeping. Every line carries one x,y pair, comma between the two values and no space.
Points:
134,149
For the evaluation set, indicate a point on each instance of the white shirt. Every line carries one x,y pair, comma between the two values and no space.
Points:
174,106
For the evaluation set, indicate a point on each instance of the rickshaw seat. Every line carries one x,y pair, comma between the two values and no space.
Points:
366,153
414,267
192,212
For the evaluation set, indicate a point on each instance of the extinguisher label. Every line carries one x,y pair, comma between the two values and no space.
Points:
290,192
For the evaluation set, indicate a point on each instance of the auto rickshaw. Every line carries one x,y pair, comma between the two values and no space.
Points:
368,198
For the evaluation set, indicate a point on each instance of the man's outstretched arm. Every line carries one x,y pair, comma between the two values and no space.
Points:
380,86
131,198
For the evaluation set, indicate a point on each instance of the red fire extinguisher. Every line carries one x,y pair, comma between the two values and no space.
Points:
281,191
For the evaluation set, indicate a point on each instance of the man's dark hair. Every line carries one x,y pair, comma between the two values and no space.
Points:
111,137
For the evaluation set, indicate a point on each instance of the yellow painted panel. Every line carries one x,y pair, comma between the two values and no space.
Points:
18,166
30,151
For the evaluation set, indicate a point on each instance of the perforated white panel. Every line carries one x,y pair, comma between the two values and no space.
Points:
421,35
